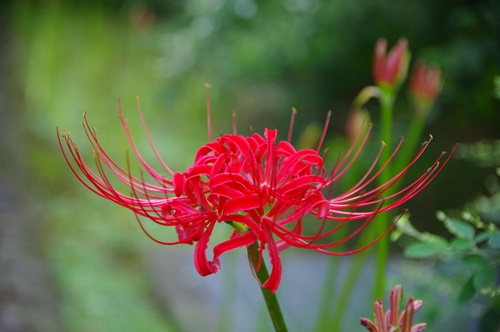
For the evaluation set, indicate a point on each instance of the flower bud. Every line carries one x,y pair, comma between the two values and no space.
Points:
390,69
425,85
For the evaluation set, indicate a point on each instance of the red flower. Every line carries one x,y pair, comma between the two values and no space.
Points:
260,186
425,84
390,69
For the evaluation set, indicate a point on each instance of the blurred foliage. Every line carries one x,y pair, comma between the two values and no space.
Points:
473,252
100,271
484,154
76,61
497,86
262,58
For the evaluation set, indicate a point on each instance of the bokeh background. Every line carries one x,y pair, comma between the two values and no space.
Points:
70,261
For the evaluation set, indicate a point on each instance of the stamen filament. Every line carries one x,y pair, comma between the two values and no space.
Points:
209,119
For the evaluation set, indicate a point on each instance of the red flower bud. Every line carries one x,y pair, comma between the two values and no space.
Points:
390,69
425,84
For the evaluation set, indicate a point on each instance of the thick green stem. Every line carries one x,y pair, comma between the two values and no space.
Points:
273,306
386,105
382,221
412,138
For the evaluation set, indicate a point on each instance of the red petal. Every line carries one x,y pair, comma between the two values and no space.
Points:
276,269
242,203
202,265
234,243
178,180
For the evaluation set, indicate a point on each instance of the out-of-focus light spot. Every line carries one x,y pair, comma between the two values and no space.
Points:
179,54
202,26
483,153
245,8
301,5
304,25
203,7
298,50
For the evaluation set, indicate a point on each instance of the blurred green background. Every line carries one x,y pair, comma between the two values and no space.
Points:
72,262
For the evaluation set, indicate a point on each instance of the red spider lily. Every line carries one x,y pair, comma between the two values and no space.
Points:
392,320
258,185
390,69
425,84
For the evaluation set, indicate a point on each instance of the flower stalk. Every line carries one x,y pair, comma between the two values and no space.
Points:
387,109
260,270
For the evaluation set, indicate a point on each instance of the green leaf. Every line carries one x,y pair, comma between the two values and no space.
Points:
491,318
424,249
484,278
467,291
494,240
476,262
483,236
460,229
461,245
396,234
435,240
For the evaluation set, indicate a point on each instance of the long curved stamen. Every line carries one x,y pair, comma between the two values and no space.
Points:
325,129
382,188
122,174
143,122
339,170
209,118
290,128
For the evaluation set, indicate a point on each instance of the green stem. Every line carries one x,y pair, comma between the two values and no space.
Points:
273,306
382,221
386,105
412,138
